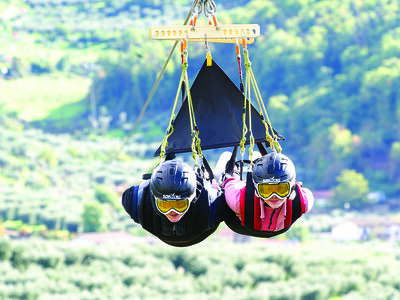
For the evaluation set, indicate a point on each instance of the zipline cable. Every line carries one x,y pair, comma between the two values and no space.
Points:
157,82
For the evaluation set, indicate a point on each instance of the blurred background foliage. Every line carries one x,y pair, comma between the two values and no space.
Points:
329,72
37,270
74,75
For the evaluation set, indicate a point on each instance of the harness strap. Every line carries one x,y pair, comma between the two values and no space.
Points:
208,168
262,149
289,213
248,215
298,204
212,216
231,163
257,212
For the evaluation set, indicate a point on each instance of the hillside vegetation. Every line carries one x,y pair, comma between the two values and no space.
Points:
56,182
328,72
211,270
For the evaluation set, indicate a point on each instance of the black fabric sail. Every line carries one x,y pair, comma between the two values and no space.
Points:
218,106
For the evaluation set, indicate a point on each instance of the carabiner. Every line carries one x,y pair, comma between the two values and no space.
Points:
197,7
209,7
208,55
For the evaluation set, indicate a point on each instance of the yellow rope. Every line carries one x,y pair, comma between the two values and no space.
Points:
192,120
245,130
170,128
195,145
269,132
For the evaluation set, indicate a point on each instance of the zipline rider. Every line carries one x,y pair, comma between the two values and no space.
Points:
177,205
269,201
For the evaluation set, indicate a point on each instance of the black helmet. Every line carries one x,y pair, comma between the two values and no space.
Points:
274,168
173,180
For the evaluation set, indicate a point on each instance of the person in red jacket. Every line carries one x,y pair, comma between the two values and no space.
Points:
269,201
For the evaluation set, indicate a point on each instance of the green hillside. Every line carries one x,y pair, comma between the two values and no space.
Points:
213,270
51,180
328,72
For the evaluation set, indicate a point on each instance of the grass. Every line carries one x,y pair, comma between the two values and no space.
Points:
35,98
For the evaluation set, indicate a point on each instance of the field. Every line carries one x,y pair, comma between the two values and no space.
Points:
214,269
35,98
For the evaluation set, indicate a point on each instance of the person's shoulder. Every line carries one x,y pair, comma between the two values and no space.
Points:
232,181
308,197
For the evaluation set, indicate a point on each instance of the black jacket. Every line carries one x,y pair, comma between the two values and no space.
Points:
205,214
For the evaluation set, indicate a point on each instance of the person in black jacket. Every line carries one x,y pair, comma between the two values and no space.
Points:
176,205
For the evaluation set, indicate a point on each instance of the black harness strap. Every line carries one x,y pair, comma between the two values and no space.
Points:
208,168
231,163
296,205
262,149
249,202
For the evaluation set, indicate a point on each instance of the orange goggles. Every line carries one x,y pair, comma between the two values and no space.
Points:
165,206
267,190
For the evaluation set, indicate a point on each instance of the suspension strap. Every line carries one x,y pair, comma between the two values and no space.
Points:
250,80
195,146
247,106
240,65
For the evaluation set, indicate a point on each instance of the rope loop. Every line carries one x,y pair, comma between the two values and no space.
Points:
247,62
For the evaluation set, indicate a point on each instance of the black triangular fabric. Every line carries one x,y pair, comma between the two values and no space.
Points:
218,106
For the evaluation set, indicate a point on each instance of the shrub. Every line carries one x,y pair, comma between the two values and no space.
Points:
105,195
49,156
352,189
18,258
49,259
264,272
92,216
5,249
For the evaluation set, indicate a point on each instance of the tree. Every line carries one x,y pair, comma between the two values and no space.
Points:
352,189
105,195
5,249
93,217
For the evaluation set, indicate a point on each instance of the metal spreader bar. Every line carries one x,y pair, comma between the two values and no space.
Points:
200,33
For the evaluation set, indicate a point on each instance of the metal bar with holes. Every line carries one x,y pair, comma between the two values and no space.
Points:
225,33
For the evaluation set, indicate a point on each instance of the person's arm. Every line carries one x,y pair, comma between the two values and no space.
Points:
132,200
127,199
233,189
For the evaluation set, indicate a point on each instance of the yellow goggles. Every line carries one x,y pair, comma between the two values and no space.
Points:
267,190
165,206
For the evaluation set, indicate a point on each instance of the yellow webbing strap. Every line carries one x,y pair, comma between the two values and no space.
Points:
251,80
